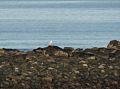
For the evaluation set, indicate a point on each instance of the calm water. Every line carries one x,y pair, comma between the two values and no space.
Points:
30,24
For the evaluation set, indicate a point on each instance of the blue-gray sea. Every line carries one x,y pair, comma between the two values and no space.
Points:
27,24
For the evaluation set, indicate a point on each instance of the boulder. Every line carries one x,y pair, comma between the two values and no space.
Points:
114,53
55,51
39,50
51,51
114,44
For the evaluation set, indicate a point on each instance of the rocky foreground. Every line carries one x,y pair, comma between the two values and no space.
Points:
56,68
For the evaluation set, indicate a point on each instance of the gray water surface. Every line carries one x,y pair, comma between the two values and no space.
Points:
27,24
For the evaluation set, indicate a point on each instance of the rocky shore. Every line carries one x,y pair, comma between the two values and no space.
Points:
53,67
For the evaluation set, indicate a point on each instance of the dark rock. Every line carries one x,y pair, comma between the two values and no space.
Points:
51,51
39,50
69,50
114,53
55,51
11,50
114,44
78,50
78,54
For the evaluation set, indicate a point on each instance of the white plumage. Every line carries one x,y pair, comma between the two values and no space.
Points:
50,43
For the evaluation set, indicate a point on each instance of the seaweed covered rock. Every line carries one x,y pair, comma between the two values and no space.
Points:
52,51
114,44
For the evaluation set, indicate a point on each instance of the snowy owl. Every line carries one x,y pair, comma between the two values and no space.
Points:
50,43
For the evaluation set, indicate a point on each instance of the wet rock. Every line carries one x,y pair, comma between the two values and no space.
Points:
114,44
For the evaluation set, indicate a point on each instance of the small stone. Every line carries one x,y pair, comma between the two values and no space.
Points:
1,66
31,67
16,69
48,79
116,73
92,58
112,59
85,65
114,83
102,66
35,63
102,71
110,67
22,84
76,72
82,62
50,68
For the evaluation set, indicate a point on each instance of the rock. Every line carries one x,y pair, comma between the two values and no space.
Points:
16,69
92,58
69,50
85,65
114,53
76,72
61,53
11,50
102,66
114,44
102,71
110,67
55,51
78,50
50,68
2,51
82,62
51,51
39,50
78,54
49,79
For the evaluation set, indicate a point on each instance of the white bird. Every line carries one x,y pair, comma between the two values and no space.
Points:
50,43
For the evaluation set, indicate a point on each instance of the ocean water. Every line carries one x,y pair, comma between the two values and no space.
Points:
28,24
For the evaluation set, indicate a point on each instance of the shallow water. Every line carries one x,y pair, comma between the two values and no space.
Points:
30,24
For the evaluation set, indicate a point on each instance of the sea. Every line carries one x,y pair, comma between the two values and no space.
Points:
29,24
